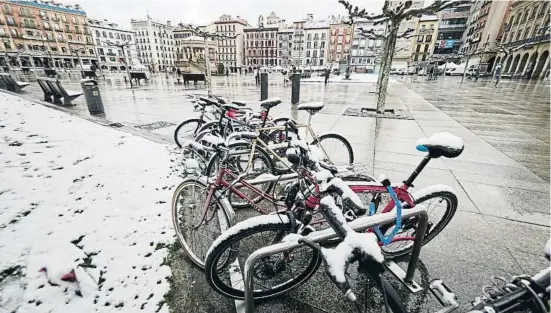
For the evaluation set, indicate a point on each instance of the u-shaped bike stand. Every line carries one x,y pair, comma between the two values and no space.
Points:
361,223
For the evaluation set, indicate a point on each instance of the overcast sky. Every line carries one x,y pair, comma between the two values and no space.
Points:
202,12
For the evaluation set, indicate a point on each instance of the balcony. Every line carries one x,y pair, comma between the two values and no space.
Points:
452,15
14,24
27,14
47,27
452,26
111,54
29,26
529,41
426,31
7,12
78,32
74,41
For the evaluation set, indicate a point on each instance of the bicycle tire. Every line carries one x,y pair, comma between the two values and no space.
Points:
224,208
340,138
451,208
184,123
214,128
214,160
241,231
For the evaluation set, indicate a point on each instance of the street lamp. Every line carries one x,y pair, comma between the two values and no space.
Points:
77,51
48,51
6,44
124,44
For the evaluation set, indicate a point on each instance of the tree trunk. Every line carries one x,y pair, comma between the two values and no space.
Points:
385,69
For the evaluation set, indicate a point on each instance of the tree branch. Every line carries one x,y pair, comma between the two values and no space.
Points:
435,7
371,34
408,33
355,12
204,34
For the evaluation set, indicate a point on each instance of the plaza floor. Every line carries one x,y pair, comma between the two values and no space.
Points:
502,178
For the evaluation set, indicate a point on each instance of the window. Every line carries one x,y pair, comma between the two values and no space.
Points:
418,48
110,35
117,36
420,38
308,45
46,25
428,38
426,48
103,33
98,43
91,51
543,9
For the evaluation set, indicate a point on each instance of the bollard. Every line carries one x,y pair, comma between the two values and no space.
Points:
92,95
263,86
295,88
125,79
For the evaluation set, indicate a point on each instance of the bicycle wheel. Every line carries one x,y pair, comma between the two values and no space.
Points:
441,207
337,148
237,163
186,130
273,274
196,232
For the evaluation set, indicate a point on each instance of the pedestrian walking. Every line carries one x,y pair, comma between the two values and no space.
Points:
327,73
256,75
179,72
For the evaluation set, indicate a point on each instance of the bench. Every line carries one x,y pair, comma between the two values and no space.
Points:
195,77
11,84
54,91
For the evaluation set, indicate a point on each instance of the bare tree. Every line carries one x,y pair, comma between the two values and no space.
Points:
393,17
506,51
206,36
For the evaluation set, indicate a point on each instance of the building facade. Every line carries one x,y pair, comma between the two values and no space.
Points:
231,51
425,38
261,45
190,52
285,46
110,57
484,31
154,43
44,34
451,27
297,54
340,41
528,32
365,52
316,50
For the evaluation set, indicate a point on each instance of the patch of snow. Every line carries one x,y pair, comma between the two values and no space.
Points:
317,153
323,175
347,193
213,140
292,238
418,194
247,224
338,258
444,139
77,196
194,145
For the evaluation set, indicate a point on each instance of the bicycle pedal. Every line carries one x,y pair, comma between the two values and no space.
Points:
444,295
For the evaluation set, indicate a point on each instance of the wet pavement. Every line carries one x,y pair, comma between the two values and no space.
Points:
502,221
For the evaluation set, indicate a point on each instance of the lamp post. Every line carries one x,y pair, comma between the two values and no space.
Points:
48,51
77,51
6,44
122,46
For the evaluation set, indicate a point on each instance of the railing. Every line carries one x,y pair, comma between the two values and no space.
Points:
4,35
7,12
30,26
426,31
535,39
452,26
78,32
47,27
25,14
12,24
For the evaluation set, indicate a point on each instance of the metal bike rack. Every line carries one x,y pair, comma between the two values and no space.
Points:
328,234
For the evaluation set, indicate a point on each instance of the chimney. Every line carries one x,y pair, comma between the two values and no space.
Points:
310,17
168,23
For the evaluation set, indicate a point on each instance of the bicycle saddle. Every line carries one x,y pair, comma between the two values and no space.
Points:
311,107
441,144
207,101
270,103
230,106
239,103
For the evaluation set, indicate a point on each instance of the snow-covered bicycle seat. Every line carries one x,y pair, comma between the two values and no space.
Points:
239,103
270,103
441,144
312,107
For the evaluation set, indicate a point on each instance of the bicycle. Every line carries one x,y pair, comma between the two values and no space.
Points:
296,220
274,138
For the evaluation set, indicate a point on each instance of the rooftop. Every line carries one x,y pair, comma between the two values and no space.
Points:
51,5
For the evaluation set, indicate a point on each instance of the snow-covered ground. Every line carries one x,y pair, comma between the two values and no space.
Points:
77,196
